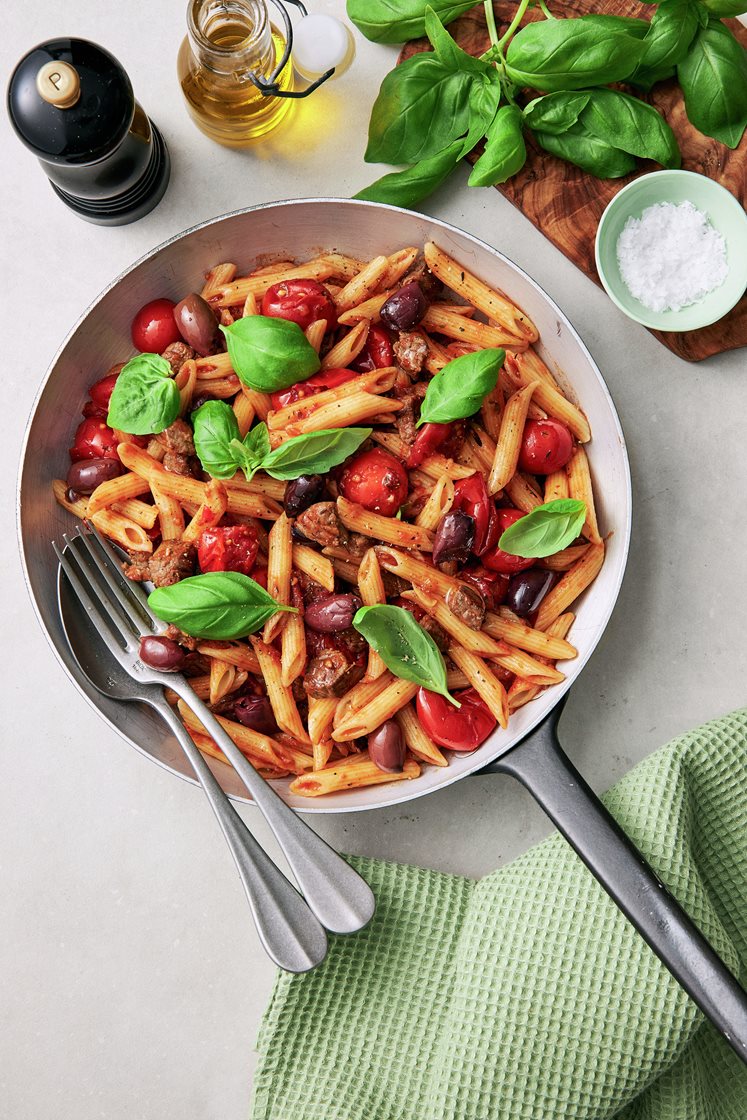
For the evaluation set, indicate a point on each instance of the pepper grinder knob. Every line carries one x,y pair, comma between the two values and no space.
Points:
71,104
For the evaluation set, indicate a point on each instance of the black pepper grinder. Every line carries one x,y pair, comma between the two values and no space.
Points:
72,105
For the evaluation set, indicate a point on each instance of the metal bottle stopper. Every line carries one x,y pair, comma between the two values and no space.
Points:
71,104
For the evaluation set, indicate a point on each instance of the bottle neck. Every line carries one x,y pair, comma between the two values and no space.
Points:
231,37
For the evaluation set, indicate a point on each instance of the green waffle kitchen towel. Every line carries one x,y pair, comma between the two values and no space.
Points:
526,995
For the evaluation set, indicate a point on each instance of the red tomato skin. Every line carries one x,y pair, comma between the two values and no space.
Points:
458,729
546,446
427,441
259,575
300,301
317,383
101,391
471,497
378,352
228,548
93,440
375,480
154,328
493,586
499,561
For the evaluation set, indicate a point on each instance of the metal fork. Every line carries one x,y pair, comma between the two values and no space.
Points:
341,900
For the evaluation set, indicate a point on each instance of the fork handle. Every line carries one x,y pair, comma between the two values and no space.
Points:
290,933
342,901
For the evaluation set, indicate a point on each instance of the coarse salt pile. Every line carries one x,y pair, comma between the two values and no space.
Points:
671,256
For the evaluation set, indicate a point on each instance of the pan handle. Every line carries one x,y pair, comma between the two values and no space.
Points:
540,764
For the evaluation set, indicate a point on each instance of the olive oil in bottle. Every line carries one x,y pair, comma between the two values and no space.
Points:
228,42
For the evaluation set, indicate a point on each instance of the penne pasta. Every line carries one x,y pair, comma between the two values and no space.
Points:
292,649
482,678
121,529
170,515
348,348
280,695
570,586
362,721
279,564
509,438
382,528
340,775
418,743
314,565
579,486
363,285
548,398
492,303
439,502
377,381
371,587
117,490
463,329
209,512
344,412
556,486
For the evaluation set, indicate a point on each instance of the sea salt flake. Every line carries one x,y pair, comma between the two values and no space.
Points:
671,256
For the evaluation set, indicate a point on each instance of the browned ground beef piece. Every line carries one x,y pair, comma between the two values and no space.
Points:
139,567
320,523
358,545
179,456
468,605
171,562
394,585
176,354
406,419
331,674
183,639
410,351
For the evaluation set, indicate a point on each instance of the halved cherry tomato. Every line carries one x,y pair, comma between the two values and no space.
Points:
300,301
317,383
427,441
259,575
496,559
376,480
101,391
457,729
378,352
493,586
471,496
228,548
153,328
93,440
546,446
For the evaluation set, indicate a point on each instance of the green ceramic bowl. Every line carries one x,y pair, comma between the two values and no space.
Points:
726,215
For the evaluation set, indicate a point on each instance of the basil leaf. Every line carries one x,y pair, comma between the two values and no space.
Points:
269,354
257,442
713,76
555,112
579,146
630,125
422,106
449,53
564,54
505,151
638,28
220,605
405,188
145,399
724,8
459,388
215,427
670,33
314,453
404,646
546,530
484,99
396,21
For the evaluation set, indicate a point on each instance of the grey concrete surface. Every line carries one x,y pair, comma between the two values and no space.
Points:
131,980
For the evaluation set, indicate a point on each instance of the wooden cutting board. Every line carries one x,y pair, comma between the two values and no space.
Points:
566,203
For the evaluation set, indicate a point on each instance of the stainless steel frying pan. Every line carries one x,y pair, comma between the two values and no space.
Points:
529,749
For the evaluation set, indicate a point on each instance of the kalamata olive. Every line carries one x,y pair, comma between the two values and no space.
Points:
199,401
196,322
162,653
332,613
386,747
526,590
72,495
302,492
405,308
255,712
455,536
85,475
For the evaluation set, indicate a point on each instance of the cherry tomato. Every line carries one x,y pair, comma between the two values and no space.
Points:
546,446
471,496
101,390
259,575
457,729
154,328
427,441
376,480
496,559
378,352
317,383
228,548
93,440
493,586
300,301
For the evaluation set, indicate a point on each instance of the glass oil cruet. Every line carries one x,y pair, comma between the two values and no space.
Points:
235,71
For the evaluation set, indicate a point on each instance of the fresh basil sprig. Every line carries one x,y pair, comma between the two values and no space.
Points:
217,605
404,646
572,53
405,188
460,387
670,33
396,21
505,151
222,452
145,399
713,76
546,530
269,354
